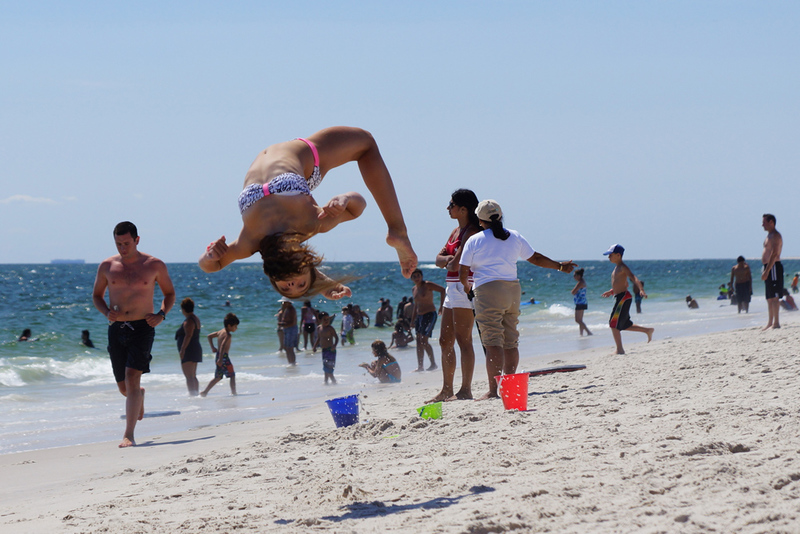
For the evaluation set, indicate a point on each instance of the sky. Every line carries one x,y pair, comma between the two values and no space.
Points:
667,127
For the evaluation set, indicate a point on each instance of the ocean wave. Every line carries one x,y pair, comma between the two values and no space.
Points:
22,371
10,378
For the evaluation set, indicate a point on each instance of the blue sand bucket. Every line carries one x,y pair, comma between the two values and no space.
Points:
344,410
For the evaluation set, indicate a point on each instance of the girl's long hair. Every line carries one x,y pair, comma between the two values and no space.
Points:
379,348
286,254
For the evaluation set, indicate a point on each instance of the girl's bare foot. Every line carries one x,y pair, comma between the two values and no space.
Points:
405,253
127,442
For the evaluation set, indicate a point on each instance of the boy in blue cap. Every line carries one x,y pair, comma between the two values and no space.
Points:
620,315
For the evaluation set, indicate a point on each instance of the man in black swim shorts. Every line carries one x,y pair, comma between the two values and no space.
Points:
130,278
772,275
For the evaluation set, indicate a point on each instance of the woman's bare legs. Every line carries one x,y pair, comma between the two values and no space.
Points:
581,325
447,342
190,372
464,318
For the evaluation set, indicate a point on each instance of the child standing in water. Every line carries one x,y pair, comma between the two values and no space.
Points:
620,314
581,304
223,361
327,340
347,325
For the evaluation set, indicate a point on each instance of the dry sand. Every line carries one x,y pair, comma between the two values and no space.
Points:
684,435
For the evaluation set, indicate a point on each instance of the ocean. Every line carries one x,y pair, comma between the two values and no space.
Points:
56,392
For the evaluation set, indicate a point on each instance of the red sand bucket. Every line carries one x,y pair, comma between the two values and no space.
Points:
513,390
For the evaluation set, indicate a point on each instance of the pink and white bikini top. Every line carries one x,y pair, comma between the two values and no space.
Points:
288,183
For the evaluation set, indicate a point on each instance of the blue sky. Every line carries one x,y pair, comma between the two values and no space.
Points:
669,127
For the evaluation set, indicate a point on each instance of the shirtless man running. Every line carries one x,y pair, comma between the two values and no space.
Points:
424,316
620,315
131,277
772,275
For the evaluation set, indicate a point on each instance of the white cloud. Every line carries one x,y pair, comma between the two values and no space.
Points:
27,198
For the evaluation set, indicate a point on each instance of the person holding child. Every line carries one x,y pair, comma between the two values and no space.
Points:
223,362
279,214
385,368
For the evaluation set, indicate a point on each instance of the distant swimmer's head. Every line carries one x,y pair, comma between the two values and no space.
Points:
289,263
614,249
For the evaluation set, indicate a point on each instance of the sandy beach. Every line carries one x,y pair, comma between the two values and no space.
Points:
694,434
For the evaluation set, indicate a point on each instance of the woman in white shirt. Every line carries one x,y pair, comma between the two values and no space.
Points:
492,257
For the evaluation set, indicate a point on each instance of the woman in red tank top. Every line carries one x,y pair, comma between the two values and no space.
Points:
457,315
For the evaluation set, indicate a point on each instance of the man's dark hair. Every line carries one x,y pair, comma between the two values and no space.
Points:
126,227
230,320
415,271
740,259
770,217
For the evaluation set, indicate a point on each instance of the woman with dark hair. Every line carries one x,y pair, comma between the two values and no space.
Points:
581,303
457,315
492,257
279,214
189,348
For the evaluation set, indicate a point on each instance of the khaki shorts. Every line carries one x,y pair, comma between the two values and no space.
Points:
497,313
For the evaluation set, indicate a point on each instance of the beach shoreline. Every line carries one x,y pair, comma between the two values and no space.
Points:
684,434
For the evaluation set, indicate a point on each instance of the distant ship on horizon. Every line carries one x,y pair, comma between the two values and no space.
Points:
67,261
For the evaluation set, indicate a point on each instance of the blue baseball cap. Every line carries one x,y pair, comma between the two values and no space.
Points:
614,249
